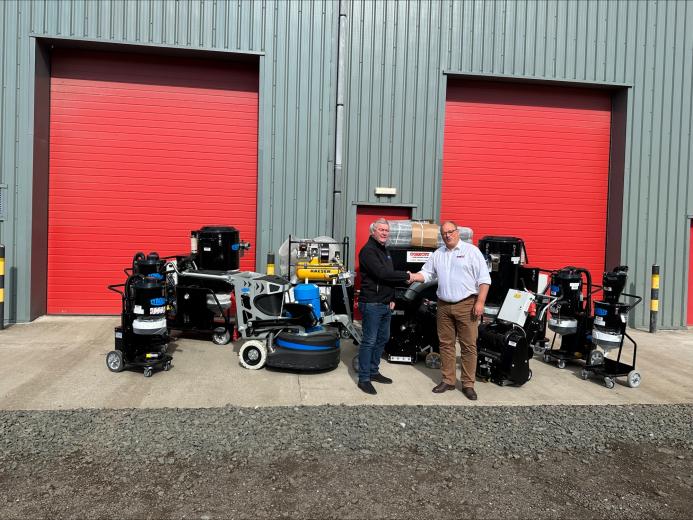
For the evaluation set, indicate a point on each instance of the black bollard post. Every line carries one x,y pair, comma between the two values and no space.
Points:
654,298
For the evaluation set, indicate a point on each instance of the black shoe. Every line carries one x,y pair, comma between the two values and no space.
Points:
469,393
367,387
442,387
379,378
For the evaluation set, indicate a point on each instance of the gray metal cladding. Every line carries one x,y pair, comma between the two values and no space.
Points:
397,52
296,40
398,55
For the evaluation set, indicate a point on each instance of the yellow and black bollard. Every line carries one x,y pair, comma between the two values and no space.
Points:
2,286
654,298
270,263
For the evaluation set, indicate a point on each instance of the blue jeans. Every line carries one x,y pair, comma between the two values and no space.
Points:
375,324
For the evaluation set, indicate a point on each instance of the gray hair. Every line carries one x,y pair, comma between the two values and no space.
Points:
381,220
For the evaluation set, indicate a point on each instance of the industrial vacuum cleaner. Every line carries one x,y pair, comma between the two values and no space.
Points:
142,338
570,315
609,332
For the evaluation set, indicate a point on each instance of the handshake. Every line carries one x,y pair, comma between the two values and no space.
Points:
415,277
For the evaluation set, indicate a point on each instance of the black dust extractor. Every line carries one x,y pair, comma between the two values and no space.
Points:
507,260
142,338
570,315
504,256
202,294
413,332
609,332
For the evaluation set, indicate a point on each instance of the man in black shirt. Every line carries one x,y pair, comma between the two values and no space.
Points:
376,301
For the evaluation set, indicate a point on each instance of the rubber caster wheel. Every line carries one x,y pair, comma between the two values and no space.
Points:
344,334
147,372
584,374
561,363
609,382
433,360
634,379
114,361
221,337
253,354
355,363
529,375
167,366
547,358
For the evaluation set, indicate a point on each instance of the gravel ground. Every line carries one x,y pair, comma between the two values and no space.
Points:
349,462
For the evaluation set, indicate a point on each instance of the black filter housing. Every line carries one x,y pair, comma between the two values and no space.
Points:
148,293
614,282
147,265
567,285
218,248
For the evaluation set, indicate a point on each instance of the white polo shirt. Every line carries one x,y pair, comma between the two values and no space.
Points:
459,271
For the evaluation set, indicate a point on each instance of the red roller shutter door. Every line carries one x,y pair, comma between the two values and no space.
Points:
532,162
142,150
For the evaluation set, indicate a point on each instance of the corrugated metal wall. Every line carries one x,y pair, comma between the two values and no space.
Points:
297,40
397,52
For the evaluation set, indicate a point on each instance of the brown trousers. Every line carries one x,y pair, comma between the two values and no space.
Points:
456,321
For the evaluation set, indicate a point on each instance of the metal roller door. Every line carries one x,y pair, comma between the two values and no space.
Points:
533,162
143,149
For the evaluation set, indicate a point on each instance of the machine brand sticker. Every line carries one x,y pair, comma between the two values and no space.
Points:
515,259
119,335
157,301
575,286
512,343
418,257
157,310
599,321
206,248
138,309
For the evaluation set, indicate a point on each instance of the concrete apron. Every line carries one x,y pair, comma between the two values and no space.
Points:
59,363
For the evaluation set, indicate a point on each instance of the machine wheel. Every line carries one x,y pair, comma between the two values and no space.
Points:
148,372
547,358
561,363
609,382
114,361
355,363
344,333
433,360
596,357
221,337
634,379
529,375
584,374
167,366
253,354
414,358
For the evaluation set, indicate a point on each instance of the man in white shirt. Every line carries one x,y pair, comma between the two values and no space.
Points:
463,283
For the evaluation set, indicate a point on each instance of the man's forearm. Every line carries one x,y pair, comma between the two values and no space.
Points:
483,292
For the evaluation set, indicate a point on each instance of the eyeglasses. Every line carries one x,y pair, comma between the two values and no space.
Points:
448,233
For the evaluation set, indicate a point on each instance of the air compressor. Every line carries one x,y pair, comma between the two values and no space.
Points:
570,314
142,338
